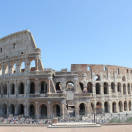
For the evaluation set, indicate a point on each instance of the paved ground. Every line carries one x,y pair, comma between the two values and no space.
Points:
114,128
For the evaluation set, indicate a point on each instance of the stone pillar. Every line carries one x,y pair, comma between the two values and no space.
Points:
27,84
63,108
49,110
77,111
49,84
110,107
3,69
94,90
16,87
36,64
36,110
26,109
16,109
27,63
37,87
110,90
18,65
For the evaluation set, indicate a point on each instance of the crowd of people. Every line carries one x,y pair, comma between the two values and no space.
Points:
21,120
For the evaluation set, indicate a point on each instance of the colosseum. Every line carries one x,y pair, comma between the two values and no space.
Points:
29,89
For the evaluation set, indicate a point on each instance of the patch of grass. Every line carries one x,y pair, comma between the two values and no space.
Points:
129,120
115,120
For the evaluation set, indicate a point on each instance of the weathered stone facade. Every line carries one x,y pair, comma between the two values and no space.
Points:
45,93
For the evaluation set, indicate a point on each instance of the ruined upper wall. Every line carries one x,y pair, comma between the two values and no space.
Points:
100,68
17,43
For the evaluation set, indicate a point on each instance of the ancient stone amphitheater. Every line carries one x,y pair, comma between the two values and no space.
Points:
27,88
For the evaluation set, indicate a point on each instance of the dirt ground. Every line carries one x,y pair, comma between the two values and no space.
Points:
113,128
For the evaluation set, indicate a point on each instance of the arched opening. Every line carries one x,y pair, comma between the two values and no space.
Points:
32,65
21,109
120,107
90,87
4,110
97,88
21,88
105,88
32,111
43,111
58,87
81,86
12,109
124,88
125,106
56,110
119,87
130,106
22,67
14,68
44,88
82,109
114,107
97,78
128,87
12,90
70,85
99,108
113,87
106,107
5,89
32,88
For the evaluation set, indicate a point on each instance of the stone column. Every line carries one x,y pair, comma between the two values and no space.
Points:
77,111
18,65
26,109
27,63
27,84
110,107
36,64
49,110
49,85
37,110
63,107
16,87
37,87
94,90
16,109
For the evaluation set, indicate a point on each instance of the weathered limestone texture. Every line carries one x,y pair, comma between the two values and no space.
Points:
26,88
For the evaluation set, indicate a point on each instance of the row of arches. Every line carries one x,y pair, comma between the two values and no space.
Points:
43,110
120,88
21,67
105,107
21,88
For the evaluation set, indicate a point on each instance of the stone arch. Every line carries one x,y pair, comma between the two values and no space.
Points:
81,86
98,107
4,109
90,87
128,87
44,88
82,109
119,87
21,88
32,88
56,110
130,106
5,89
32,110
12,89
20,109
97,77
12,109
124,88
98,91
114,108
58,87
120,106
22,67
125,105
106,91
70,85
113,87
106,107
32,65
43,111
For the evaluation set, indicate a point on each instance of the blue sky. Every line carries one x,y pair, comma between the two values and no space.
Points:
73,31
